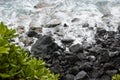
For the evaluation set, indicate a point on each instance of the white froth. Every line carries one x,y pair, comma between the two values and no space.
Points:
16,13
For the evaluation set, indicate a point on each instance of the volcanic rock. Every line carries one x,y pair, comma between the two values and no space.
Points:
44,45
76,48
41,5
82,75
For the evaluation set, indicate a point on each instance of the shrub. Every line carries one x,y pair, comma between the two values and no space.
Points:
16,64
116,77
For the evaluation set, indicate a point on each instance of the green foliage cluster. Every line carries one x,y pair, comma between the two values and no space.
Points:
116,77
16,64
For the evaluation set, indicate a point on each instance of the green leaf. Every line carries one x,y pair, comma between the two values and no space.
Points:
4,50
4,75
17,64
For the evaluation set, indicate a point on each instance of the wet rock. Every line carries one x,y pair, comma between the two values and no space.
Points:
53,23
96,73
104,56
108,66
105,77
31,33
91,58
67,41
36,29
71,58
82,75
65,25
63,63
69,77
101,32
47,57
81,56
54,70
41,5
111,34
28,41
74,70
20,29
87,66
111,72
76,48
113,54
118,28
95,50
44,45
85,25
75,20
116,62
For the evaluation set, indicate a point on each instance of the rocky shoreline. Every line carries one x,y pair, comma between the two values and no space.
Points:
99,61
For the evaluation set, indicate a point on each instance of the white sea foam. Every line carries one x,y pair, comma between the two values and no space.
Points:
22,13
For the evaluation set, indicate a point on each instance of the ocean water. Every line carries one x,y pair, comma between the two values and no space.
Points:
16,13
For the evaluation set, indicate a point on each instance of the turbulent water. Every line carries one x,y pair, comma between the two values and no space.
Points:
103,13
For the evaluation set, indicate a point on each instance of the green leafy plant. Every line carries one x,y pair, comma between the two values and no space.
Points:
15,62
116,77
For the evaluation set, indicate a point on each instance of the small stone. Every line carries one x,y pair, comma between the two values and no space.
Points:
81,56
113,54
118,28
101,32
63,63
69,77
71,58
47,57
20,29
74,70
104,56
76,48
65,25
32,34
85,25
36,29
82,75
108,66
91,58
28,41
111,72
96,73
87,66
67,41
105,77
53,23
41,5
75,20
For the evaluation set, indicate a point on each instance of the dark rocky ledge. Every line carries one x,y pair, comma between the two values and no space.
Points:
99,61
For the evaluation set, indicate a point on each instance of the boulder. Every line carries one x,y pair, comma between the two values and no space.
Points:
44,45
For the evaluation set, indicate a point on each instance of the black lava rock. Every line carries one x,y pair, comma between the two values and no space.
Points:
76,48
82,75
69,77
31,34
44,45
85,25
99,61
67,41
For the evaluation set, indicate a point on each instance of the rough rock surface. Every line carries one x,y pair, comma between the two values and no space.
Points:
99,61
